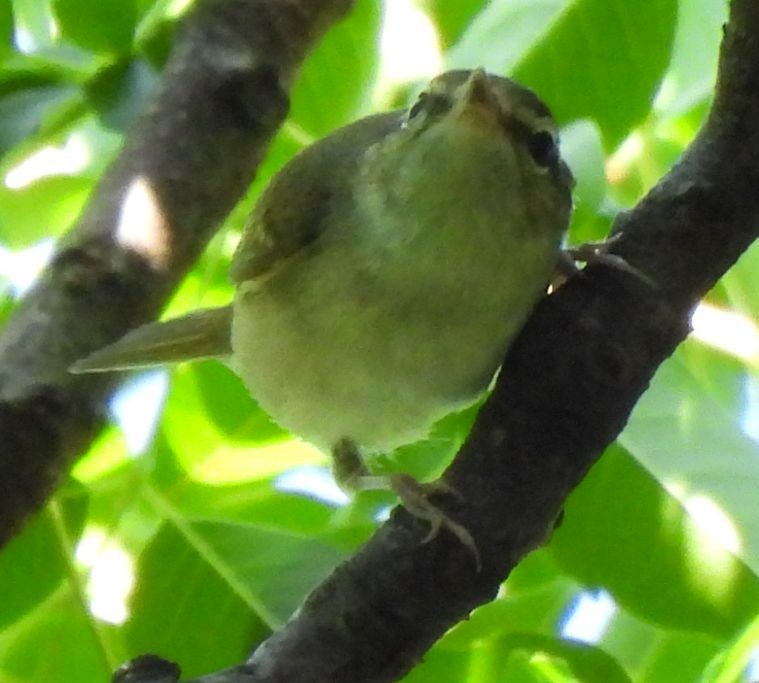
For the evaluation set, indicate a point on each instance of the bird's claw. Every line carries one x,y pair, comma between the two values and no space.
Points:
598,253
351,472
414,496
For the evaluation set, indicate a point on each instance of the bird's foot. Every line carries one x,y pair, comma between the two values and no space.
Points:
595,253
352,474
414,496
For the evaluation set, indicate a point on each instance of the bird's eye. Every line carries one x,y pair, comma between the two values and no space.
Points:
543,149
433,104
418,106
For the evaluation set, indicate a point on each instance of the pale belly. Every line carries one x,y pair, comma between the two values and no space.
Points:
377,357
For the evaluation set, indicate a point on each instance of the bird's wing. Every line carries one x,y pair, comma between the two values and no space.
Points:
200,334
290,215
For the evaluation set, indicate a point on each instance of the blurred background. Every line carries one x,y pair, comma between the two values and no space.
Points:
195,526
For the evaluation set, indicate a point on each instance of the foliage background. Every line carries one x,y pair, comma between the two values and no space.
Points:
195,536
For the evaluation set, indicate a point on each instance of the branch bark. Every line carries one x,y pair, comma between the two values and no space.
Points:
569,385
183,167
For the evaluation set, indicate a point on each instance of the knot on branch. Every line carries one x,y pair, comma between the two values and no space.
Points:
250,98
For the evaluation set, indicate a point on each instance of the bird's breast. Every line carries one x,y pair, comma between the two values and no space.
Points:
390,323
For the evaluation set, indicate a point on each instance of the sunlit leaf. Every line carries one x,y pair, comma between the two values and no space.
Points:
695,446
731,663
45,208
690,76
621,530
34,21
332,87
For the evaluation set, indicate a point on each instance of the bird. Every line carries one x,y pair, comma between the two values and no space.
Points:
383,274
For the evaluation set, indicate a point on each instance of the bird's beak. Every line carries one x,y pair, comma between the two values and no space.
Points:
476,103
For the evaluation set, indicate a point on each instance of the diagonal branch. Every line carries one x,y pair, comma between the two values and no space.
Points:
569,385
182,169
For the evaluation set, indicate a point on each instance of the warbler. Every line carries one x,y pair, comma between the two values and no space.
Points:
384,272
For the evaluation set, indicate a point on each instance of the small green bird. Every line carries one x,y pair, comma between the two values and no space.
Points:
384,272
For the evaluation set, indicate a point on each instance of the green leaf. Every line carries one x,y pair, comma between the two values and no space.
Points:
332,87
679,656
583,661
257,504
654,655
186,611
690,76
582,149
451,18
528,657
742,282
186,406
228,403
245,444
730,664
35,562
119,92
6,27
442,665
519,629
154,35
95,25
598,59
57,643
503,33
208,591
622,531
689,436
260,503
24,108
44,208
33,18
604,60
529,606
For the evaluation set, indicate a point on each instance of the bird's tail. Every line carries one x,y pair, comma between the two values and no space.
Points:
200,334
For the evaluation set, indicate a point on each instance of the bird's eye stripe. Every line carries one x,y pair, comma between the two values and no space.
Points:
432,103
438,103
418,105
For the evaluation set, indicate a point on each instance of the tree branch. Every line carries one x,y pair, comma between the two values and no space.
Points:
569,385
182,169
